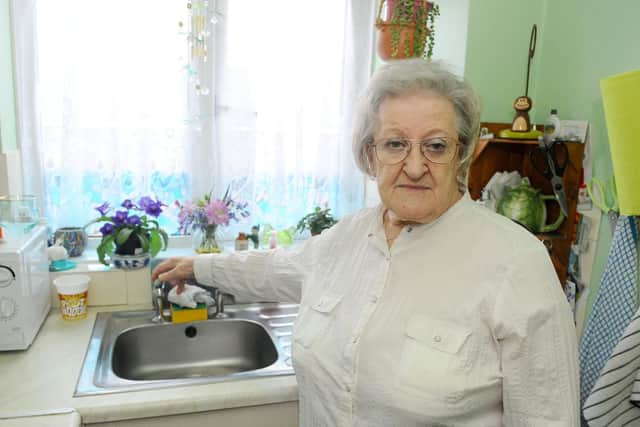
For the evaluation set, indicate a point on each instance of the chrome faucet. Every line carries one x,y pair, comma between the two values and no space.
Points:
219,297
159,292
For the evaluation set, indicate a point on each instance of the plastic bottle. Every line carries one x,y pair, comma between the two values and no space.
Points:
273,240
552,126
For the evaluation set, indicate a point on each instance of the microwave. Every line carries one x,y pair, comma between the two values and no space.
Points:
24,288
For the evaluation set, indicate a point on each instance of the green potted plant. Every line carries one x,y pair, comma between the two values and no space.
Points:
316,221
407,30
131,236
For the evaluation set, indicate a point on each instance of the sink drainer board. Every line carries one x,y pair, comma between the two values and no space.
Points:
128,352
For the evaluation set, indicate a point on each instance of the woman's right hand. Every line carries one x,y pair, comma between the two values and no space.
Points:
176,271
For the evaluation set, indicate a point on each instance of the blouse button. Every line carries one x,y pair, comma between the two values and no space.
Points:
437,338
347,388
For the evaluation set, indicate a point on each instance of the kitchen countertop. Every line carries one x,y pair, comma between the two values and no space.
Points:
63,418
42,380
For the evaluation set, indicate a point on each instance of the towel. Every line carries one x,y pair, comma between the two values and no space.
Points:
613,307
190,296
611,402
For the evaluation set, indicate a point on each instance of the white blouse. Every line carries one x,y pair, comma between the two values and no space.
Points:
461,323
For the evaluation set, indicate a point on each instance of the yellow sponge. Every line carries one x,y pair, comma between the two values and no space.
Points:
185,314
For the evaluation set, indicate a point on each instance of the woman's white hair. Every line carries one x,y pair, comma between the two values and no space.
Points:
401,77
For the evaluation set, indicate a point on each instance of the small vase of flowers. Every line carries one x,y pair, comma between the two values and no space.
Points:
132,235
203,217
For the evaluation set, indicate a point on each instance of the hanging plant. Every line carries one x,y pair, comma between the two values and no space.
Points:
408,30
432,13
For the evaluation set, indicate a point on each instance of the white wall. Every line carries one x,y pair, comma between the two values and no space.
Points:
10,173
451,33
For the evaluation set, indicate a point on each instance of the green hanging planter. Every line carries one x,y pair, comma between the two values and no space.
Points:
408,30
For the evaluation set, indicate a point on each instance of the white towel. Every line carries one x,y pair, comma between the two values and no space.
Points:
190,296
611,402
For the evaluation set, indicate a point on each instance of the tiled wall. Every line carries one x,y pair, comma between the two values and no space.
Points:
112,287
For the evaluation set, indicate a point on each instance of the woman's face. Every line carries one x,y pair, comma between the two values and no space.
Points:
416,189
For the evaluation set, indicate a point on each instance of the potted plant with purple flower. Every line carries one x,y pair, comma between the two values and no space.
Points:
131,235
202,218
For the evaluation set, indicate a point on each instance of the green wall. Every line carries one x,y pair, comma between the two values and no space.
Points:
600,41
579,43
497,50
8,140
603,40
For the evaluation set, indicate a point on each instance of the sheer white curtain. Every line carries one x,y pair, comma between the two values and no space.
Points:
289,73
106,109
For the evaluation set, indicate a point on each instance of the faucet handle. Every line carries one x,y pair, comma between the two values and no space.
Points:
159,292
159,288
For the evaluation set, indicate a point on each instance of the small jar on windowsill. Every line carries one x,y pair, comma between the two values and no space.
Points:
242,242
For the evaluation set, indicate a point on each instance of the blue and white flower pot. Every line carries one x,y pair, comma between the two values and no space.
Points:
130,262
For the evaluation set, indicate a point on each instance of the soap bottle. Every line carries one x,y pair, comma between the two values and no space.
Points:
552,126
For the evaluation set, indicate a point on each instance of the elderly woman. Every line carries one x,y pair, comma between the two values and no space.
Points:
428,309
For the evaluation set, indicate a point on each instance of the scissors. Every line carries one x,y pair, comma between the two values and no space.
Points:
550,159
597,190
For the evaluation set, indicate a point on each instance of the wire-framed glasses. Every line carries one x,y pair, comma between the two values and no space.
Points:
391,151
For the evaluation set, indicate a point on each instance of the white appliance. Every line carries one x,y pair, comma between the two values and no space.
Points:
24,288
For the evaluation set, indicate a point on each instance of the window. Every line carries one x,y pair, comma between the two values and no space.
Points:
118,113
112,105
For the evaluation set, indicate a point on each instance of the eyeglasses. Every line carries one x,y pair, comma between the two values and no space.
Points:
439,150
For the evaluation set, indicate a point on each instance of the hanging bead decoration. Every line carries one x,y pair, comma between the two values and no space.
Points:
197,32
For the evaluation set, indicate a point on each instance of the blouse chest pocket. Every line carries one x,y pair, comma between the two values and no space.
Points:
315,319
435,360
442,336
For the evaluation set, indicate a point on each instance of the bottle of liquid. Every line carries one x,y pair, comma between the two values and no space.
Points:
273,240
552,126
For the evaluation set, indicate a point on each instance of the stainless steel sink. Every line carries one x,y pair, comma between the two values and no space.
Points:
128,352
202,349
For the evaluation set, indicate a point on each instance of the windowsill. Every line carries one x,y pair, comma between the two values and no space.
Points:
111,286
179,246
176,243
